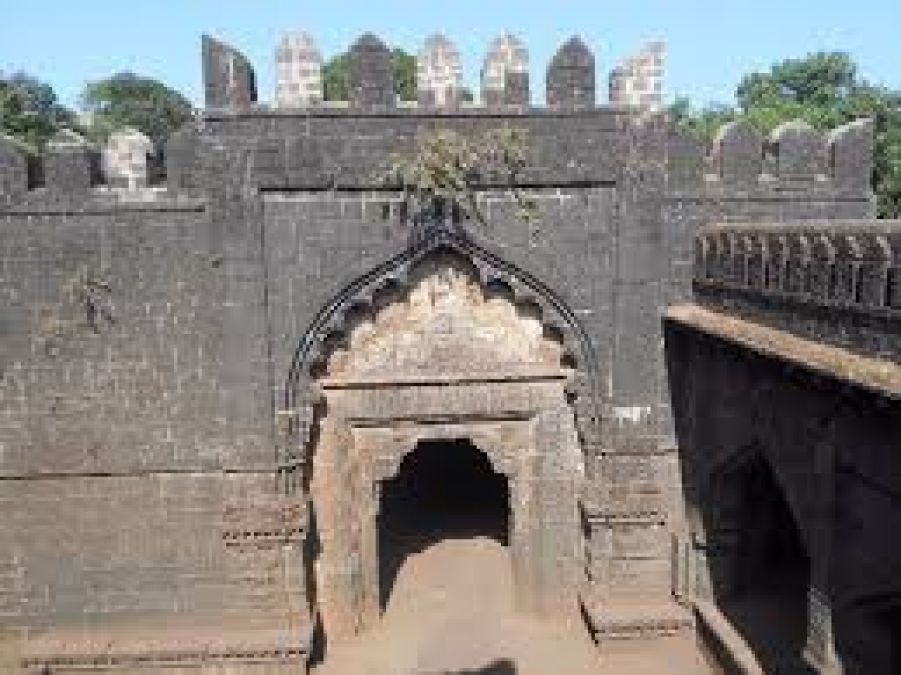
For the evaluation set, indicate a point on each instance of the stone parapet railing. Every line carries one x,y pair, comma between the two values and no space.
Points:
835,281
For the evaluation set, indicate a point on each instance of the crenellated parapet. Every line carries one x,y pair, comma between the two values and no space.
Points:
794,157
570,83
73,169
838,281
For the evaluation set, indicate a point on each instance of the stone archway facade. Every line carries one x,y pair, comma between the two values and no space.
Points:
445,360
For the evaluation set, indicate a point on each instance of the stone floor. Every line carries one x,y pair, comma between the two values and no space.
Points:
451,611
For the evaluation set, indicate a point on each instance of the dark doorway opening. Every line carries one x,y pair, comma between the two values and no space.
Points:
766,598
891,631
869,636
443,490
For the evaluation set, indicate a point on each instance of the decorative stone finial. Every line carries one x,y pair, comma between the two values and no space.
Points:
638,80
298,72
570,76
505,73
370,73
71,164
13,168
439,76
228,77
125,159
800,151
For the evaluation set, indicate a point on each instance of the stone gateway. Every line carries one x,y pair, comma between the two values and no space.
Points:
242,405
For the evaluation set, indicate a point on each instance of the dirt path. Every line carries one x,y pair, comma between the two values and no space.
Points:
451,611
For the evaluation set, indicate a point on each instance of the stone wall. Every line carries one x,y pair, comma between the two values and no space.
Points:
154,338
835,281
824,424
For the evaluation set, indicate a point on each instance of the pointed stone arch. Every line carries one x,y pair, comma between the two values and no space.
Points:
331,327
443,341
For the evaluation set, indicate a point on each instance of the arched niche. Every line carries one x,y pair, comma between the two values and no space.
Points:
446,347
388,281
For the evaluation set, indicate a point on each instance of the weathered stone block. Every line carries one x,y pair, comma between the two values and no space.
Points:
371,77
571,76
439,75
298,72
13,169
505,73
228,78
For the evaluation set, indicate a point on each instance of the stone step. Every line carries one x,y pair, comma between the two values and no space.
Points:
128,647
625,619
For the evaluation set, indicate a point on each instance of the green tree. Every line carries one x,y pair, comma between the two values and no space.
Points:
336,76
403,66
30,110
129,100
825,90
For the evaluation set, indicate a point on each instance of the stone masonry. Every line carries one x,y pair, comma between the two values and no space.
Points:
638,80
207,382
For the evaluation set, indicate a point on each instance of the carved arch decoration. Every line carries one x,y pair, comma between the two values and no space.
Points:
331,328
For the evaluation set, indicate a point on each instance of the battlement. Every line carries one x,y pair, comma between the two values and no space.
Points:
230,83
74,168
838,281
639,80
794,157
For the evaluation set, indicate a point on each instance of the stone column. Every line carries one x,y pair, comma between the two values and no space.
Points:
554,546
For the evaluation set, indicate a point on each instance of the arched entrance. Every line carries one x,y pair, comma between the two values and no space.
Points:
762,583
445,489
444,358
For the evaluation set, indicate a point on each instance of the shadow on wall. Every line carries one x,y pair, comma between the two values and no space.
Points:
444,490
758,565
760,579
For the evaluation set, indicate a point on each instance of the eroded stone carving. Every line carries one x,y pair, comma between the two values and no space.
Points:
439,75
446,327
441,360
299,71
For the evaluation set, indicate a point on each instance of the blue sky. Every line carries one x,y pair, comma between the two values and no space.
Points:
711,42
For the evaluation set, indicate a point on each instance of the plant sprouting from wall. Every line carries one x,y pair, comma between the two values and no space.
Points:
446,169
92,293
89,293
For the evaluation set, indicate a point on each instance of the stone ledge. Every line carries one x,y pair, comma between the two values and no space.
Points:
625,619
878,375
173,644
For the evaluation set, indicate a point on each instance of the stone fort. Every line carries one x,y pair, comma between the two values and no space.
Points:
677,387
